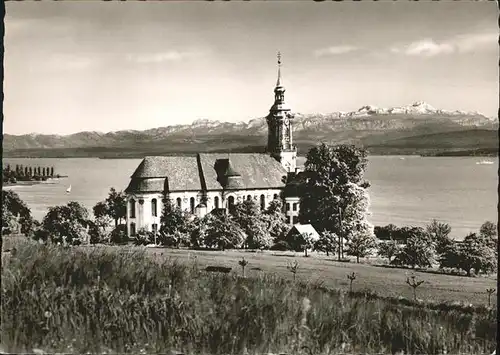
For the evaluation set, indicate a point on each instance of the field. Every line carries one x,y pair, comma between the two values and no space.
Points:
148,300
388,282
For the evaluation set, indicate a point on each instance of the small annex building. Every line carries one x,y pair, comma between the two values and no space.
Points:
206,182
295,237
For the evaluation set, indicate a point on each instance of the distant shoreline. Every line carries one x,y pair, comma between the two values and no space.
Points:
32,183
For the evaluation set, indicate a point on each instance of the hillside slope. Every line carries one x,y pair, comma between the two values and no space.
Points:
386,130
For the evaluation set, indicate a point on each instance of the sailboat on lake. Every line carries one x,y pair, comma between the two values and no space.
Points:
68,190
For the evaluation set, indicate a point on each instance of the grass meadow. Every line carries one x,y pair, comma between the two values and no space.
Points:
138,300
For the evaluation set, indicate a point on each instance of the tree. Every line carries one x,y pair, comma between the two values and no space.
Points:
489,232
143,237
439,234
275,220
67,224
387,232
327,242
388,249
16,216
223,232
418,251
333,193
102,220
307,242
117,205
172,220
250,218
119,234
362,240
476,253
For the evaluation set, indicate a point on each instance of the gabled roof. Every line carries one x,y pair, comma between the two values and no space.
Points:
181,172
305,229
257,171
207,171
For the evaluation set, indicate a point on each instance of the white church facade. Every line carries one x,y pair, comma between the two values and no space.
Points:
209,181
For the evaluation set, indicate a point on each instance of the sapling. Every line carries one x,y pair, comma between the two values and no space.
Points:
414,284
351,278
293,268
490,291
243,263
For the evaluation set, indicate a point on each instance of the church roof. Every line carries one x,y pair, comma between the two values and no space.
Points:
182,173
207,171
257,171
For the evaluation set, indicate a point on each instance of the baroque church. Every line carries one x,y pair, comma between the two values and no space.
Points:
209,181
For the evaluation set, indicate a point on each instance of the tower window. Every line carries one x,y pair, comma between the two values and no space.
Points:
262,202
275,196
179,202
132,208
216,202
294,207
295,219
154,207
249,198
287,206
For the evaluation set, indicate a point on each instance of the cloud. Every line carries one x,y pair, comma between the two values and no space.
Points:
70,61
163,56
335,50
458,44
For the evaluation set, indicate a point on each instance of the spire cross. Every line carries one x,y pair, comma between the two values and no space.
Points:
279,58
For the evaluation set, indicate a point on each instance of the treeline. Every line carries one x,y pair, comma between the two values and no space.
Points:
27,173
432,246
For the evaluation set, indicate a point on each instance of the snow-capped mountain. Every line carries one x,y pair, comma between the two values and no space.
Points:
367,124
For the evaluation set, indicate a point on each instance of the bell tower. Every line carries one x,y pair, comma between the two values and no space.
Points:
279,123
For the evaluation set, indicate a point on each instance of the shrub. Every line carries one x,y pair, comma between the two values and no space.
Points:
280,245
119,235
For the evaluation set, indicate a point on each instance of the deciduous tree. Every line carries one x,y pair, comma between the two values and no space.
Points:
327,242
439,233
362,240
388,249
223,232
251,220
333,193
418,251
16,215
67,224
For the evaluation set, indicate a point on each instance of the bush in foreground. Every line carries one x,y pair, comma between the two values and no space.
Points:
75,300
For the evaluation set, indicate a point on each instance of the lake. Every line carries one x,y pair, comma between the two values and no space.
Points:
408,190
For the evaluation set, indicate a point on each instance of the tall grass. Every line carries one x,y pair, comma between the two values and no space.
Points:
75,300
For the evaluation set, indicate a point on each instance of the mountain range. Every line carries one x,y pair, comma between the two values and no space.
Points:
418,128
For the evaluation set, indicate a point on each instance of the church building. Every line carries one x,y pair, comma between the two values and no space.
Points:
208,181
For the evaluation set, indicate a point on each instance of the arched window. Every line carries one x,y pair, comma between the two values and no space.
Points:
191,204
179,202
132,229
132,208
154,207
249,198
230,203
275,196
262,202
216,202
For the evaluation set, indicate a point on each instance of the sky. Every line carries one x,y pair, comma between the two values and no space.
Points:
107,66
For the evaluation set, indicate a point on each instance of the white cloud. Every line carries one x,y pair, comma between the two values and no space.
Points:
163,56
458,44
335,50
